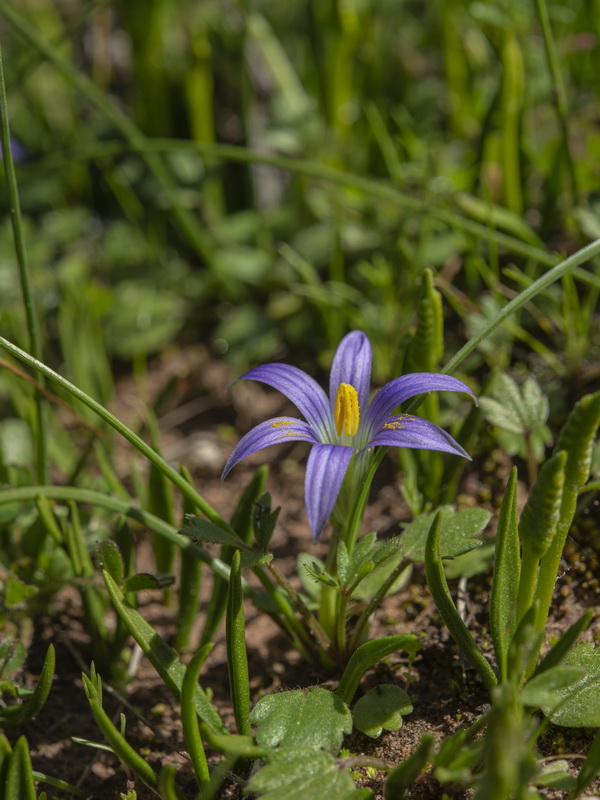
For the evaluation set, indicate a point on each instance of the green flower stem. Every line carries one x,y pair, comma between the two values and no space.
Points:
35,343
183,217
358,509
341,622
372,605
161,465
189,718
370,186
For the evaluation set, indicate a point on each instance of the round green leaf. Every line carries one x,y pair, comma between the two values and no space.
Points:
382,707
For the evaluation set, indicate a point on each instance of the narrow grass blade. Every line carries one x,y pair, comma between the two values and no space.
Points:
189,718
19,777
140,445
190,583
92,687
237,657
438,586
35,341
558,651
163,658
507,567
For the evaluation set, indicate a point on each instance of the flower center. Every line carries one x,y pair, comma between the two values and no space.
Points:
346,413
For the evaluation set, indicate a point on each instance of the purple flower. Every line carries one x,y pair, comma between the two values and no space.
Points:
346,422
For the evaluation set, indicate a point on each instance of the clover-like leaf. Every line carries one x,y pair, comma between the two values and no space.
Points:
312,718
304,773
382,707
458,530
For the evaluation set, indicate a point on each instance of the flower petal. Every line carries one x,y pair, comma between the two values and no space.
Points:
279,430
325,470
352,364
404,430
400,389
304,392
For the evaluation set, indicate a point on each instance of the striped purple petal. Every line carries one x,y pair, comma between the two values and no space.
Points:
274,431
404,430
400,389
352,364
304,392
325,470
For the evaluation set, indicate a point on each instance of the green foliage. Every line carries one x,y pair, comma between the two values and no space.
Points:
382,707
301,773
370,653
370,189
578,703
315,718
16,715
458,530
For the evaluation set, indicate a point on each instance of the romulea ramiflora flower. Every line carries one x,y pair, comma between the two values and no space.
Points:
345,423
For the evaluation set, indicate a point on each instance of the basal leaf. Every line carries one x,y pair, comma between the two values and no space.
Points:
457,532
382,707
544,689
312,718
580,706
304,773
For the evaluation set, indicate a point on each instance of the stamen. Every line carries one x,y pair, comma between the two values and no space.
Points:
346,412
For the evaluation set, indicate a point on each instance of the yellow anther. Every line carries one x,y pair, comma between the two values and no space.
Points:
346,412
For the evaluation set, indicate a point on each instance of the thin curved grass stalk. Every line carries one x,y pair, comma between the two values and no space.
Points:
148,452
33,327
90,497
189,718
92,687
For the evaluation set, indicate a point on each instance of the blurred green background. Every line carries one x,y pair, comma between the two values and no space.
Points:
261,177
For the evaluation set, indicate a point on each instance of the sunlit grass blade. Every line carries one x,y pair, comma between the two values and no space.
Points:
190,584
92,687
505,585
163,658
189,718
33,328
438,586
147,451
